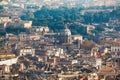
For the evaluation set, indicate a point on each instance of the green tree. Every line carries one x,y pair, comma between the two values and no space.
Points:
1,7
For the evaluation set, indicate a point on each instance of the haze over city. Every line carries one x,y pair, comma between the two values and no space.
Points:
68,3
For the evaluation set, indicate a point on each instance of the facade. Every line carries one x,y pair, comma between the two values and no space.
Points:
3,25
42,29
89,28
34,37
65,36
94,51
69,76
22,67
8,61
28,24
23,36
115,49
4,69
117,63
116,60
61,61
60,53
93,76
5,19
27,50
4,2
12,37
4,55
77,37
98,63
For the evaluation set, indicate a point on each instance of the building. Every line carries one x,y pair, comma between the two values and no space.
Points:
77,37
5,19
116,61
93,76
23,36
77,40
65,36
42,29
60,53
3,2
11,37
27,50
94,51
34,36
6,60
62,62
22,67
68,76
4,69
89,28
27,24
51,37
115,48
98,63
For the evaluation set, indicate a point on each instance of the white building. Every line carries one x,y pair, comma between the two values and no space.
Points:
77,37
27,50
115,49
5,19
74,61
42,29
98,63
8,61
5,64
60,53
65,36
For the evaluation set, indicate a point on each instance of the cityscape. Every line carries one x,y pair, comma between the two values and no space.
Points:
59,39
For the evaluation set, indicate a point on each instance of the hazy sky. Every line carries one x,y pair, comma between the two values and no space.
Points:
89,2
85,3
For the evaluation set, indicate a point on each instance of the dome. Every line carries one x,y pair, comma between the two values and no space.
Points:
65,32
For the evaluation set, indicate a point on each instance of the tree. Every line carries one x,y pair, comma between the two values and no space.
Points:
87,45
15,68
1,7
16,30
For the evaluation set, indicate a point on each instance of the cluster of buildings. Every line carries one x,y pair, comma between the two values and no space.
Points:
40,51
48,55
42,54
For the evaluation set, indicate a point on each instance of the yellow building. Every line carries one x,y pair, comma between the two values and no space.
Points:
27,24
5,54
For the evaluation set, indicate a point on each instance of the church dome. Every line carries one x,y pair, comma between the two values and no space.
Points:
66,32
